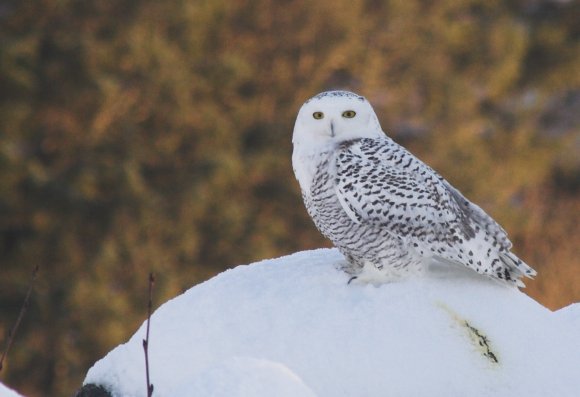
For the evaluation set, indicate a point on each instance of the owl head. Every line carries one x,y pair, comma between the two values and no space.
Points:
332,117
323,122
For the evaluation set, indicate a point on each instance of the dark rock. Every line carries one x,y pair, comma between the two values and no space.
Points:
91,390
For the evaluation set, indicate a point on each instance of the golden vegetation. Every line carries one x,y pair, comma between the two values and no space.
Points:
142,136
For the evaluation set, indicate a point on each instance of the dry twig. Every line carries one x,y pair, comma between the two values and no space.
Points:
146,340
13,330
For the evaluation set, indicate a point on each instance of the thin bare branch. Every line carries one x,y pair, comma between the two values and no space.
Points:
23,309
146,340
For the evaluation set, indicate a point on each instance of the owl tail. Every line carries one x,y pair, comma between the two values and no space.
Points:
517,267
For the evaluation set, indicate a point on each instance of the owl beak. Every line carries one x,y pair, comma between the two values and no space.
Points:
332,134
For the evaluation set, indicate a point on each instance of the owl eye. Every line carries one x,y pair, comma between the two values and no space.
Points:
318,115
349,114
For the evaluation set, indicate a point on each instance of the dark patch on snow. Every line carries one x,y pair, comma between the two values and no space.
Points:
92,390
483,343
479,339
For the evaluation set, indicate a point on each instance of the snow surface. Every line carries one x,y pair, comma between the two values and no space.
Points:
6,392
292,326
241,377
571,314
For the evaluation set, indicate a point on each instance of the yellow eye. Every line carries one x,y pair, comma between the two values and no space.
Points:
349,114
318,115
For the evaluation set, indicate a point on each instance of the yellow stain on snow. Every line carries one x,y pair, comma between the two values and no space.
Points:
479,340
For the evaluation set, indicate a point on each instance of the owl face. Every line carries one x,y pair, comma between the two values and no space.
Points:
333,117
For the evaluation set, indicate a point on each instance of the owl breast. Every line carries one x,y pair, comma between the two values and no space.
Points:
365,245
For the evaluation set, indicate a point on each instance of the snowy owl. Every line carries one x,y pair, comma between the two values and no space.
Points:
389,213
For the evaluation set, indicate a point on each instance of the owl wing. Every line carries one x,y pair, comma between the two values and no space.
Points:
478,216
379,182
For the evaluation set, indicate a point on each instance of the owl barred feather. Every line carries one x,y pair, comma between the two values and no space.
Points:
384,209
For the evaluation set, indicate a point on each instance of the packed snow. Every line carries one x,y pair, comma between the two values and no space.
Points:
6,392
571,315
243,377
293,326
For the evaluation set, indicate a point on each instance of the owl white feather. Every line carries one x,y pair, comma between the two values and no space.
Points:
384,209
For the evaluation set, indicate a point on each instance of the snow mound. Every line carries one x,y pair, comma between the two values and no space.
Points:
244,376
571,315
6,392
292,326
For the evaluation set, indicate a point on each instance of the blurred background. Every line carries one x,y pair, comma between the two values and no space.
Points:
155,136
